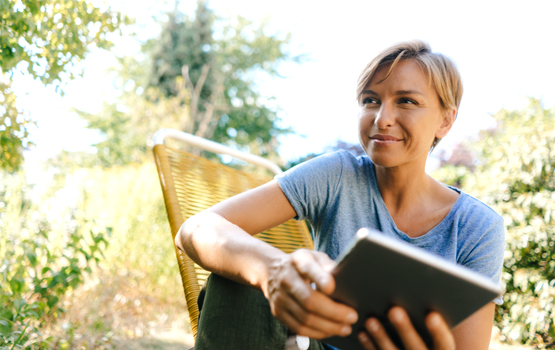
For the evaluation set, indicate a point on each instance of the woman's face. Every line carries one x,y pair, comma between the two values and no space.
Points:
400,116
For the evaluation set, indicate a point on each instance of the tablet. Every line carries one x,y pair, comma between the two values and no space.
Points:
377,272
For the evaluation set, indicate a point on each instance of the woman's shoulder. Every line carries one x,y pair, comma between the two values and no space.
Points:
473,208
476,222
353,162
346,156
480,237
337,161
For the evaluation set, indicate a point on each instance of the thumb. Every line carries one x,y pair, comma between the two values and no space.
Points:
326,283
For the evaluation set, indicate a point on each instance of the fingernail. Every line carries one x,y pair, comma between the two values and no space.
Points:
352,317
363,338
346,330
373,325
396,316
434,321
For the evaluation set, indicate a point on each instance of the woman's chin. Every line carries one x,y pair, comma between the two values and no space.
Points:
385,164
381,158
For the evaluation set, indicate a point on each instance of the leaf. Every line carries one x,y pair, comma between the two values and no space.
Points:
32,257
20,336
52,301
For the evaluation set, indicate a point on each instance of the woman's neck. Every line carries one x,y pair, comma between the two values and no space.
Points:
416,202
402,188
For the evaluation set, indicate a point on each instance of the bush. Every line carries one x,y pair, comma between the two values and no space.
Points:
38,267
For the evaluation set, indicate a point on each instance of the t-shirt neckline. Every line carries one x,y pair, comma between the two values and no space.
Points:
400,233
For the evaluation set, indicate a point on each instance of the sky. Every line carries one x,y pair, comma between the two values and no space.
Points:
503,49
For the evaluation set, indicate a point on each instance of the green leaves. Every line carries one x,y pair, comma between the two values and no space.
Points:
14,129
46,38
51,35
35,274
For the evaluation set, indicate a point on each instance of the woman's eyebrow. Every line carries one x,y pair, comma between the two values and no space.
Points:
408,92
368,92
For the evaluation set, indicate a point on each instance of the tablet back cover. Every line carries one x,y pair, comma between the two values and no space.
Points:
373,276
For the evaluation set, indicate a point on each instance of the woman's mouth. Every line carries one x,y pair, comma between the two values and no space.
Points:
384,140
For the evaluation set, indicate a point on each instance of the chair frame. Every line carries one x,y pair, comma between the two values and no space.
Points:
187,269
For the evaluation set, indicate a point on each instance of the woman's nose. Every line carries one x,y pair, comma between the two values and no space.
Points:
385,117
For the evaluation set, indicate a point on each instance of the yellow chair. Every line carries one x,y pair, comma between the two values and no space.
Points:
191,184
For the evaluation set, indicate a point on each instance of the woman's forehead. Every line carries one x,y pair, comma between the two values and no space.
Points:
406,75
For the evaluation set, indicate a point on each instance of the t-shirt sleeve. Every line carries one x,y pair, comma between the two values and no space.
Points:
311,185
487,254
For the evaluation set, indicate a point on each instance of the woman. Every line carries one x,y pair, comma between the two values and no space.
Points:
408,99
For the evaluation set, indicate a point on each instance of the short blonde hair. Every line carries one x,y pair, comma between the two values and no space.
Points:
441,70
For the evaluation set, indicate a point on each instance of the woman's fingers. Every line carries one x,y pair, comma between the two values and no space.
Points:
300,329
366,342
309,267
378,335
307,321
315,267
409,336
301,308
320,304
441,334
439,330
314,308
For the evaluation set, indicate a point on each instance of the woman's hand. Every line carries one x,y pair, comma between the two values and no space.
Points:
377,338
304,310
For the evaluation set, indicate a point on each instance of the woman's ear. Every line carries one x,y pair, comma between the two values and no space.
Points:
448,119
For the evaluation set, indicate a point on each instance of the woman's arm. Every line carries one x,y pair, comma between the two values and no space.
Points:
219,239
475,331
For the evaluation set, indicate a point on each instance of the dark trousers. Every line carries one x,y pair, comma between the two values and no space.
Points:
235,316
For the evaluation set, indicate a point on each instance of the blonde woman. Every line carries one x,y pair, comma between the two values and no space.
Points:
408,98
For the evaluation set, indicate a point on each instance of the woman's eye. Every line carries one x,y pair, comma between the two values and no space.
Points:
407,100
369,100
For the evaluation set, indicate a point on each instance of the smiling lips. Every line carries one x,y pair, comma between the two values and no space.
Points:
384,140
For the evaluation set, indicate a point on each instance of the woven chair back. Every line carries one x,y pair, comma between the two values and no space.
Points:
192,184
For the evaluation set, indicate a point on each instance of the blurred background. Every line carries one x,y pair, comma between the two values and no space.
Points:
87,260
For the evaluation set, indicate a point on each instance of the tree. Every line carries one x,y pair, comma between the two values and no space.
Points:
515,176
182,41
207,69
222,68
46,38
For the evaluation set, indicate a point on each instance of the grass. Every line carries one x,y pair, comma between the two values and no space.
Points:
116,312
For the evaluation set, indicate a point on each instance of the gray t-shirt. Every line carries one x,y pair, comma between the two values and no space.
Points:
338,194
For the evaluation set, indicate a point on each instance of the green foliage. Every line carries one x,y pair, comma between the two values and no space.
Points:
138,282
452,175
182,41
49,37
236,55
216,96
50,244
14,129
515,176
35,273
